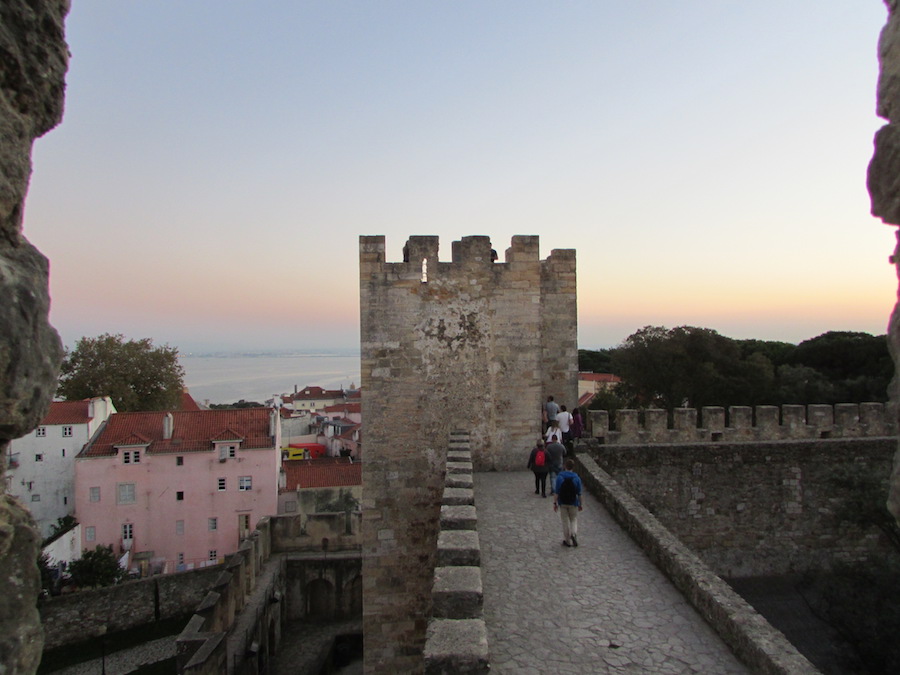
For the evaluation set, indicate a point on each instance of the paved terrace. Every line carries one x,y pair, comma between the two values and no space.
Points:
602,607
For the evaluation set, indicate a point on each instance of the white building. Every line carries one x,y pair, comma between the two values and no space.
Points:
41,466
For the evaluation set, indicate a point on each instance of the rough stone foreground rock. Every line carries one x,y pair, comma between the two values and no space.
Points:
883,181
33,61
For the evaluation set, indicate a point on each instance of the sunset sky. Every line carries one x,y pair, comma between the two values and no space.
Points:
218,162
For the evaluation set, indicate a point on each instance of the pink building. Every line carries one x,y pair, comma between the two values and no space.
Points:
176,490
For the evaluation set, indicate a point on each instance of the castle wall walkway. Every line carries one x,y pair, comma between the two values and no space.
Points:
602,607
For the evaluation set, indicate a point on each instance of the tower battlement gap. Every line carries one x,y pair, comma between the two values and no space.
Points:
473,344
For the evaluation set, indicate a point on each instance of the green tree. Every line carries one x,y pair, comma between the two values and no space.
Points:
134,373
99,567
595,361
689,366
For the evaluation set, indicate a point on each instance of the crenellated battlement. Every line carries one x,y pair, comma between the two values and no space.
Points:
421,261
744,423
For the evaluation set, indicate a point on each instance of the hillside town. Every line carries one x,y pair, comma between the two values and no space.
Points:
176,490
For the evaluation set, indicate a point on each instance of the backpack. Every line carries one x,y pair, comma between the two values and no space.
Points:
540,458
568,493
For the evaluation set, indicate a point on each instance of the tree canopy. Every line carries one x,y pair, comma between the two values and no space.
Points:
134,373
696,367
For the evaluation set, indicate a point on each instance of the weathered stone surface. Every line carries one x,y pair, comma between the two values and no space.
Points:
33,59
30,350
458,547
21,638
461,517
457,647
884,188
457,592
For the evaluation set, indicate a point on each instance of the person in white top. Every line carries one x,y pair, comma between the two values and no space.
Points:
564,420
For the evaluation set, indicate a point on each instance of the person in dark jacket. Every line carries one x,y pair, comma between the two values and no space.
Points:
539,463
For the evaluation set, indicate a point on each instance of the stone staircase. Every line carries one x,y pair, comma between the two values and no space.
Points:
457,634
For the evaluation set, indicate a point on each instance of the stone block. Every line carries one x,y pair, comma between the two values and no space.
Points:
459,517
459,467
457,647
458,547
713,418
457,592
458,496
459,480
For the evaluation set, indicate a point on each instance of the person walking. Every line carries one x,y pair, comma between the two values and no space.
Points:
539,463
577,427
551,408
556,452
568,502
564,422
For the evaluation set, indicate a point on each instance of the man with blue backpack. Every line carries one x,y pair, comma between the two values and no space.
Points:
568,502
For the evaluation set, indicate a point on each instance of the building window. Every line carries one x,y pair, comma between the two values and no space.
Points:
63,452
221,484
35,498
213,524
179,461
290,507
125,493
65,501
67,431
179,527
94,494
227,451
181,558
127,531
179,496
213,554
40,432
245,483
38,457
90,533
131,457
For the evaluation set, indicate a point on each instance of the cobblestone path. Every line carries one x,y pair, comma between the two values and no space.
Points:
602,607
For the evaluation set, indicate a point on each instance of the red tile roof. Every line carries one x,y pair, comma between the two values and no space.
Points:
345,408
192,431
315,393
586,398
68,412
321,473
599,377
188,402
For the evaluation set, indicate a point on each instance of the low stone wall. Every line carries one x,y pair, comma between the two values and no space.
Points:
743,423
237,625
456,639
756,509
90,614
750,636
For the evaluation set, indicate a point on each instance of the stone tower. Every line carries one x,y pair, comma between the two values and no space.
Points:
472,345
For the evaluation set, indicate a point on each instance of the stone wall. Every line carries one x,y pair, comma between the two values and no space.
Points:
753,640
90,614
743,423
884,190
33,62
753,509
473,345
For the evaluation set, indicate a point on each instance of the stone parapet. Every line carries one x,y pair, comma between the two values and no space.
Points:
753,640
744,423
456,639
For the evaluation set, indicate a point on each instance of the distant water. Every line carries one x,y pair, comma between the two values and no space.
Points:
226,378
